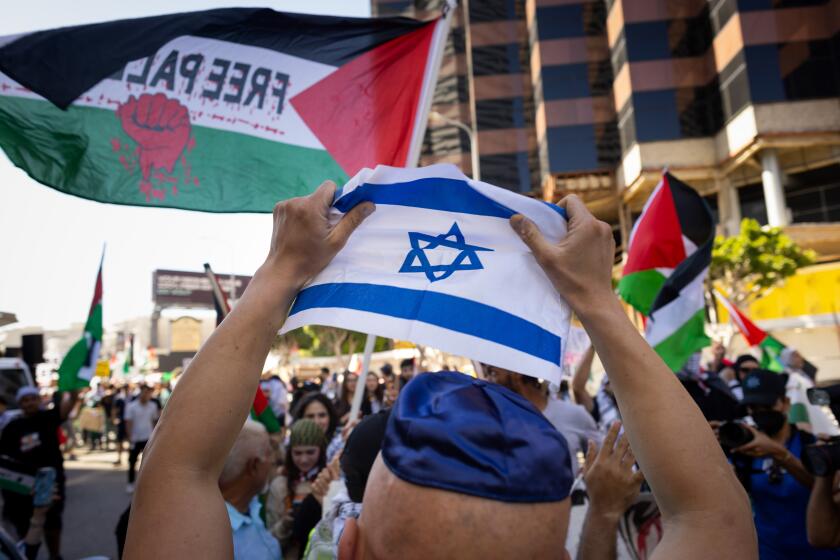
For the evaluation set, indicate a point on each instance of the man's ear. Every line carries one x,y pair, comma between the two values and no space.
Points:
348,541
252,466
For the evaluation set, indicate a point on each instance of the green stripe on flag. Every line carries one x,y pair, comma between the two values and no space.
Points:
267,419
685,341
771,354
75,360
639,289
85,152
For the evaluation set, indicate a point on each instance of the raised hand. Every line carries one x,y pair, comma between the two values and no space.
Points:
303,241
580,265
611,483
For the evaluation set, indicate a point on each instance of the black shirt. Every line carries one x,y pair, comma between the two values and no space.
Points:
33,440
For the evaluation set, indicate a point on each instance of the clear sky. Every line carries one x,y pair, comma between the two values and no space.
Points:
50,242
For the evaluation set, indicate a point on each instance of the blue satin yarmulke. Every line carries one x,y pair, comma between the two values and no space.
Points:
452,432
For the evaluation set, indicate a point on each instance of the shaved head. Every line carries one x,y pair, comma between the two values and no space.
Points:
406,521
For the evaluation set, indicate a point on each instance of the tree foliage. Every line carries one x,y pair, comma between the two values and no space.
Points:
755,260
319,340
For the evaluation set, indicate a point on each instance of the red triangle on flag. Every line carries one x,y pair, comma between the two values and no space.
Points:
657,240
753,334
364,112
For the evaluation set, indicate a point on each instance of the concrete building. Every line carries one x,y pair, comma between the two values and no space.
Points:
739,98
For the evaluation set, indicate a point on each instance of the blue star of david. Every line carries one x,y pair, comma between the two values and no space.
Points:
417,261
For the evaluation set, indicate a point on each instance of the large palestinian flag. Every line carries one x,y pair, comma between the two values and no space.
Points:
771,349
226,110
668,259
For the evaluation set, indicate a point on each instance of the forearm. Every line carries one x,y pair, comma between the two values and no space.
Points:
582,397
598,537
667,432
128,425
797,470
68,401
823,515
222,377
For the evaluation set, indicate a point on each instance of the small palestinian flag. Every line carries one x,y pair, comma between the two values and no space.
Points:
128,363
262,413
771,349
668,259
220,300
226,110
260,410
79,364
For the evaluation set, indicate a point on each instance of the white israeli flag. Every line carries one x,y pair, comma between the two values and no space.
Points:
438,264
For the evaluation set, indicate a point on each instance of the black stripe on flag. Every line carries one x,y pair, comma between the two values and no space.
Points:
698,225
62,64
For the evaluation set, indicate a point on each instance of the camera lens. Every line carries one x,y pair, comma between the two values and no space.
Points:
734,434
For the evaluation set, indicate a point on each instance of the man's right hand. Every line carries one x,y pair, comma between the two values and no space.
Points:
580,265
303,241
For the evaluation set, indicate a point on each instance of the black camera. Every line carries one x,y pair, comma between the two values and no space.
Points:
734,434
822,459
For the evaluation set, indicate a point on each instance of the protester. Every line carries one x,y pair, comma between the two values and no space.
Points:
570,419
401,519
603,407
744,364
375,392
243,477
6,415
356,461
32,439
92,422
277,397
393,385
118,419
771,470
823,520
805,415
318,408
719,361
612,485
141,415
305,458
344,402
407,369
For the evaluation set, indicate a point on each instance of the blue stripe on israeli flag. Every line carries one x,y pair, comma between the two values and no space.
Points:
438,264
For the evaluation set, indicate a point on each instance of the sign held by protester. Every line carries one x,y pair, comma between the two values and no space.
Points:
438,264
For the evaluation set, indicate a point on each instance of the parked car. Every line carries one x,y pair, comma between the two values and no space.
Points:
14,374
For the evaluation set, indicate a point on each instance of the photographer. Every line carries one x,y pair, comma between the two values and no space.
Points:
770,468
824,510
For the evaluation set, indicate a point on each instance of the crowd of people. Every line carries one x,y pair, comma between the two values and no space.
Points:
445,465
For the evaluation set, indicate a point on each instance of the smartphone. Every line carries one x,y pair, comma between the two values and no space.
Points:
44,485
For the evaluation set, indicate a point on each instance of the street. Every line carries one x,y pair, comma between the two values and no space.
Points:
96,498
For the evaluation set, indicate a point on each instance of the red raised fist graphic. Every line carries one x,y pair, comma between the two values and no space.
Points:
161,128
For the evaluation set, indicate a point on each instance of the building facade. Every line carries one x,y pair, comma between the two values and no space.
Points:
740,98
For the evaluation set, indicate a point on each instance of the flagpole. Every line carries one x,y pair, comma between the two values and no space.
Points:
413,158
360,383
429,82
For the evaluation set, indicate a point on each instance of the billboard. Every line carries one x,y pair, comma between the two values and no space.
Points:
178,288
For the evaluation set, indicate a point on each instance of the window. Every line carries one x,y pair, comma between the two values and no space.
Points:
566,81
656,115
647,41
560,22
572,148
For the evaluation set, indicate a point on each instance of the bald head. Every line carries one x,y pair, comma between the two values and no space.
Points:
403,520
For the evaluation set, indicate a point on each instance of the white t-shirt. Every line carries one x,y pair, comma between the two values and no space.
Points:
142,418
576,425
